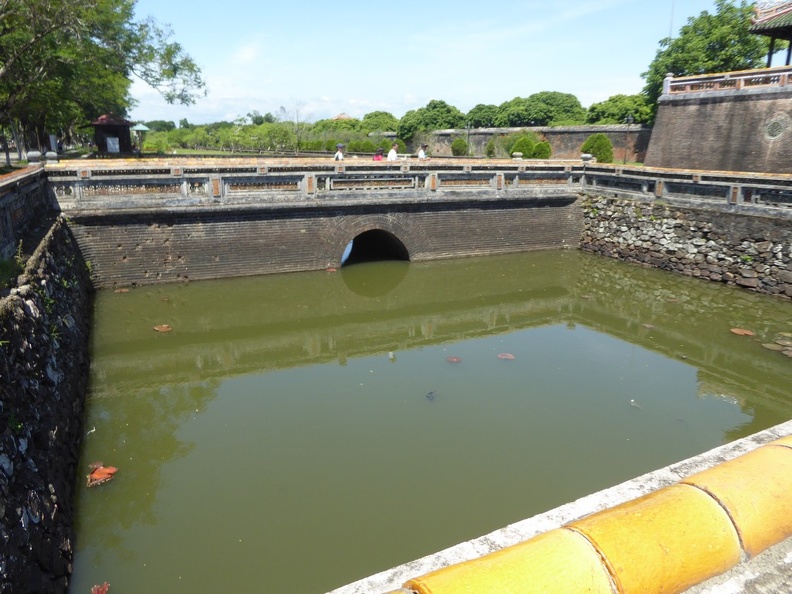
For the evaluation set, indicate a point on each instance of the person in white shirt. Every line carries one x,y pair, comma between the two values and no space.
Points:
422,153
339,156
393,154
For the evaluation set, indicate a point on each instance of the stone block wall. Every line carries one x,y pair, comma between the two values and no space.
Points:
753,252
23,201
44,327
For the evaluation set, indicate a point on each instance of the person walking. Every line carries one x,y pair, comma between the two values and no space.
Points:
393,154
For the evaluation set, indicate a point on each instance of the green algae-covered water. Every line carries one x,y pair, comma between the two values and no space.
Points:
295,433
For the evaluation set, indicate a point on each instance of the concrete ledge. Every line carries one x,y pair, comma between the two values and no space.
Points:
661,532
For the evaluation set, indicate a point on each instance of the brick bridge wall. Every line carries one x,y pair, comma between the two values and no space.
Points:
156,247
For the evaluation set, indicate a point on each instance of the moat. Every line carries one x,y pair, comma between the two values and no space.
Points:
297,432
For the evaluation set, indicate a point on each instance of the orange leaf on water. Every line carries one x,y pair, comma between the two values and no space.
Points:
742,332
163,328
100,589
100,474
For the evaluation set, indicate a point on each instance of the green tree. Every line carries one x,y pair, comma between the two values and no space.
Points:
379,121
322,126
542,150
600,146
459,147
482,116
524,146
489,150
160,126
547,108
67,61
618,108
437,115
707,44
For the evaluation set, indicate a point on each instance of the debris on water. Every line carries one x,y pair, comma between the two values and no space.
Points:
163,328
121,291
648,326
772,346
742,332
453,359
100,589
506,356
100,473
635,404
91,431
431,395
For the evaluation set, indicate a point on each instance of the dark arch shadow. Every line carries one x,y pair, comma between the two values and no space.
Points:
376,246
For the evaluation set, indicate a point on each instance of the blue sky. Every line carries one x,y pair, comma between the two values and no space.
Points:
325,58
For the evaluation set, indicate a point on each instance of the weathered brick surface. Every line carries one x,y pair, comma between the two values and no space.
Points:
168,247
724,132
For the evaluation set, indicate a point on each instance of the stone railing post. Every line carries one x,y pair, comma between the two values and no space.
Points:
667,83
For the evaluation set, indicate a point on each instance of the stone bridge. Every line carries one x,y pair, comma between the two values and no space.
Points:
146,221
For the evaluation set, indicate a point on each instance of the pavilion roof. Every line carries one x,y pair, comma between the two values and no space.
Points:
110,119
773,18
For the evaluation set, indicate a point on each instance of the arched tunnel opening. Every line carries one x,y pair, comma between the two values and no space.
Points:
374,246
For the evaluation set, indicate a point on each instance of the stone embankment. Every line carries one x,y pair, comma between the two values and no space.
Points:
44,328
753,252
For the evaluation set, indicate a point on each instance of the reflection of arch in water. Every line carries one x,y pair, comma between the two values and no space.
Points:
374,237
374,279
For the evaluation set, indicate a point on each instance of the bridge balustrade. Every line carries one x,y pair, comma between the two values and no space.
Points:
730,81
75,186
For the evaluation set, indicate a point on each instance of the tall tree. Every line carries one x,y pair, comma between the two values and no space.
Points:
708,43
482,116
547,108
380,121
437,115
617,109
64,61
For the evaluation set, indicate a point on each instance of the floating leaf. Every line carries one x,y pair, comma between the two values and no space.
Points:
100,589
771,346
742,332
506,356
163,328
100,474
121,291
452,359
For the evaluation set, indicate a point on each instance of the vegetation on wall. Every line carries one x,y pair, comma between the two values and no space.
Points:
459,147
600,146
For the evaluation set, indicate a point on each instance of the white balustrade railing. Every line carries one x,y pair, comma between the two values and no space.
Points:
729,81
